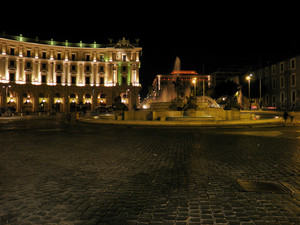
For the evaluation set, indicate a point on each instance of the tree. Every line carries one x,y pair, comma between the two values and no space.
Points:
228,88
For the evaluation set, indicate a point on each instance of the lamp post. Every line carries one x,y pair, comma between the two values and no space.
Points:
249,81
194,82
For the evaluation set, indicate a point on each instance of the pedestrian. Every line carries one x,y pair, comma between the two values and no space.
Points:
69,117
292,115
77,117
285,116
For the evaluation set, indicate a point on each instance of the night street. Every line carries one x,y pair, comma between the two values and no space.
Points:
55,172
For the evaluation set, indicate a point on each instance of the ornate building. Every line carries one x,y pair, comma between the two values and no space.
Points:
38,75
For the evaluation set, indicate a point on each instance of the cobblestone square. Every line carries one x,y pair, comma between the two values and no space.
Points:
52,172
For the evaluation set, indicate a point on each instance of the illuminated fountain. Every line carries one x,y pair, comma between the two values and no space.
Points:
177,102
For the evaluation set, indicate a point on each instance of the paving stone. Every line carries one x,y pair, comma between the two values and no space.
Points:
107,174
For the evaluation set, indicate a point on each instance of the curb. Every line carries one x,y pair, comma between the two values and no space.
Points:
217,123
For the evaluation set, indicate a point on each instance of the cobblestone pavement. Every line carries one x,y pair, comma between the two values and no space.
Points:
52,172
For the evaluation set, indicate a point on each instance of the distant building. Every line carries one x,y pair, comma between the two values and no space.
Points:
224,74
165,83
38,75
282,83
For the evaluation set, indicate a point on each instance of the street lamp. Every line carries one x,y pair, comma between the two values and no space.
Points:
194,82
249,80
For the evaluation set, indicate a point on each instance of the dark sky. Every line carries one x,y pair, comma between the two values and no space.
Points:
217,36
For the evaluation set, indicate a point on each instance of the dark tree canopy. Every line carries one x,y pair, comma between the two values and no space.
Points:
228,88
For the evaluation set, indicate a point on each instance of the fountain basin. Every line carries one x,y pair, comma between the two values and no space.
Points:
187,118
201,114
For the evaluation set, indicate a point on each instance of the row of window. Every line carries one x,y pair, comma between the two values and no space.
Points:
281,67
282,82
58,79
74,56
282,98
44,55
28,65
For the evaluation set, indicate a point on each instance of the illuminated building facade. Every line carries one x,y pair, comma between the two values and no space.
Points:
39,76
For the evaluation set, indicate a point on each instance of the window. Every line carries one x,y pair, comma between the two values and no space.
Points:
124,58
28,65
73,80
58,67
58,79
293,80
12,51
101,80
28,78
293,64
267,71
43,79
101,58
293,96
101,69
28,53
44,66
281,82
282,97
12,63
73,57
58,56
11,77
267,84
87,80
281,67
73,68
72,95
267,99
44,55
87,68
87,57
124,68
274,101
123,80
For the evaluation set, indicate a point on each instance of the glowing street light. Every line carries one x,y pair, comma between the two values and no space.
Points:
195,83
249,80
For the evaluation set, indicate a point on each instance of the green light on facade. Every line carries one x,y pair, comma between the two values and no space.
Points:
80,44
95,44
129,74
21,37
67,43
119,74
51,42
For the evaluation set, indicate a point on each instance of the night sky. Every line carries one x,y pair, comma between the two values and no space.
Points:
216,37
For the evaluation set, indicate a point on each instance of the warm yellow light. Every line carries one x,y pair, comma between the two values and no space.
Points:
194,80
248,78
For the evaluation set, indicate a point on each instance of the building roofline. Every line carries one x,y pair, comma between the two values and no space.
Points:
66,43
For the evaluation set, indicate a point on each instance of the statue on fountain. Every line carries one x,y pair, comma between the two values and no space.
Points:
177,103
